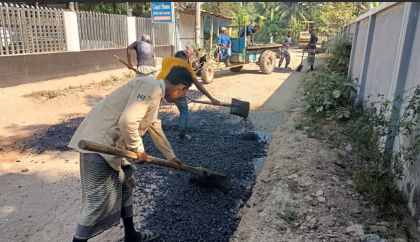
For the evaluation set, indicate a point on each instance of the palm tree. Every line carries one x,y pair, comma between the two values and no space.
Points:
265,8
292,12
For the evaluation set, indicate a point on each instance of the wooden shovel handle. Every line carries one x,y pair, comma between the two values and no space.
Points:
206,102
104,149
128,66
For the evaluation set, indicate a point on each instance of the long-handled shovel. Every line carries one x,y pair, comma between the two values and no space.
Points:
237,107
207,174
299,68
130,67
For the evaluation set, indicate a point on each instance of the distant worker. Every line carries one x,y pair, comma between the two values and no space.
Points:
307,28
287,41
312,49
145,56
180,59
271,37
250,31
224,46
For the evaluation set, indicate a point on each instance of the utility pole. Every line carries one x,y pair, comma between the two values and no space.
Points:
197,22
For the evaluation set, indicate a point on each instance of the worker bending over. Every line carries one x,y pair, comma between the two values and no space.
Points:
145,56
120,120
180,59
250,31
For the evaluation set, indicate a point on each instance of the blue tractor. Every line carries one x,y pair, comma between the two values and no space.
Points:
263,55
242,54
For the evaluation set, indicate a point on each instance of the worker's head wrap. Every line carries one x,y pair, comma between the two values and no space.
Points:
223,29
170,62
145,37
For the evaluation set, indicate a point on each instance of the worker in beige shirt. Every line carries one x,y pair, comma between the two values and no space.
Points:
120,120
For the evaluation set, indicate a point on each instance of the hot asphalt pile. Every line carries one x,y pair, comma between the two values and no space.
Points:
183,208
176,204
55,138
282,70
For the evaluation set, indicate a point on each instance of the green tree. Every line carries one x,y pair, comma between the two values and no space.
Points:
293,12
115,8
335,15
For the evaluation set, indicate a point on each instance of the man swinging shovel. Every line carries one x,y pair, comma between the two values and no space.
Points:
119,121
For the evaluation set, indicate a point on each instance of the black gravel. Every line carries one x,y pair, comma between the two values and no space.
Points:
179,206
182,207
282,70
55,138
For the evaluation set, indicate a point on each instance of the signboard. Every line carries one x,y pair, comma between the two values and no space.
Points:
162,12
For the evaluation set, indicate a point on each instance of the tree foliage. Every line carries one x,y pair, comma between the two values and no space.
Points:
276,17
115,8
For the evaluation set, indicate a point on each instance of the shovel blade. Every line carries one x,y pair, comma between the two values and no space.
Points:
239,108
299,68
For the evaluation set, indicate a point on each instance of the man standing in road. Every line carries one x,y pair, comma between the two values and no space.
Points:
120,120
250,31
145,56
180,59
287,41
312,48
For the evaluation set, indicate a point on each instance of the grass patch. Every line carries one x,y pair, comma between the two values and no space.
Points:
50,94
289,216
293,185
324,55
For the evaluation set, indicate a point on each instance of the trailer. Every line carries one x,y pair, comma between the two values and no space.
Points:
242,54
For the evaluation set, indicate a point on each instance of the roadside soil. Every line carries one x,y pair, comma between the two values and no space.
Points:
305,190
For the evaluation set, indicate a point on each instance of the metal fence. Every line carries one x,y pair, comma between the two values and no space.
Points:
102,31
160,33
25,29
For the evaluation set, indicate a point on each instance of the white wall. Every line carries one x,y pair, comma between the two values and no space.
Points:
186,30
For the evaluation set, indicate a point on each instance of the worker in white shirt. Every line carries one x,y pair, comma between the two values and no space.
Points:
120,120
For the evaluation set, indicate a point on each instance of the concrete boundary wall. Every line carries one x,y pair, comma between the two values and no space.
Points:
385,60
22,69
85,47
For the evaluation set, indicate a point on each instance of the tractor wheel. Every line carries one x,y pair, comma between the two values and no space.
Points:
207,73
236,69
193,61
267,62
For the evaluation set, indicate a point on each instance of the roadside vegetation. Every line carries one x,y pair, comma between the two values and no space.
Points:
365,132
50,94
